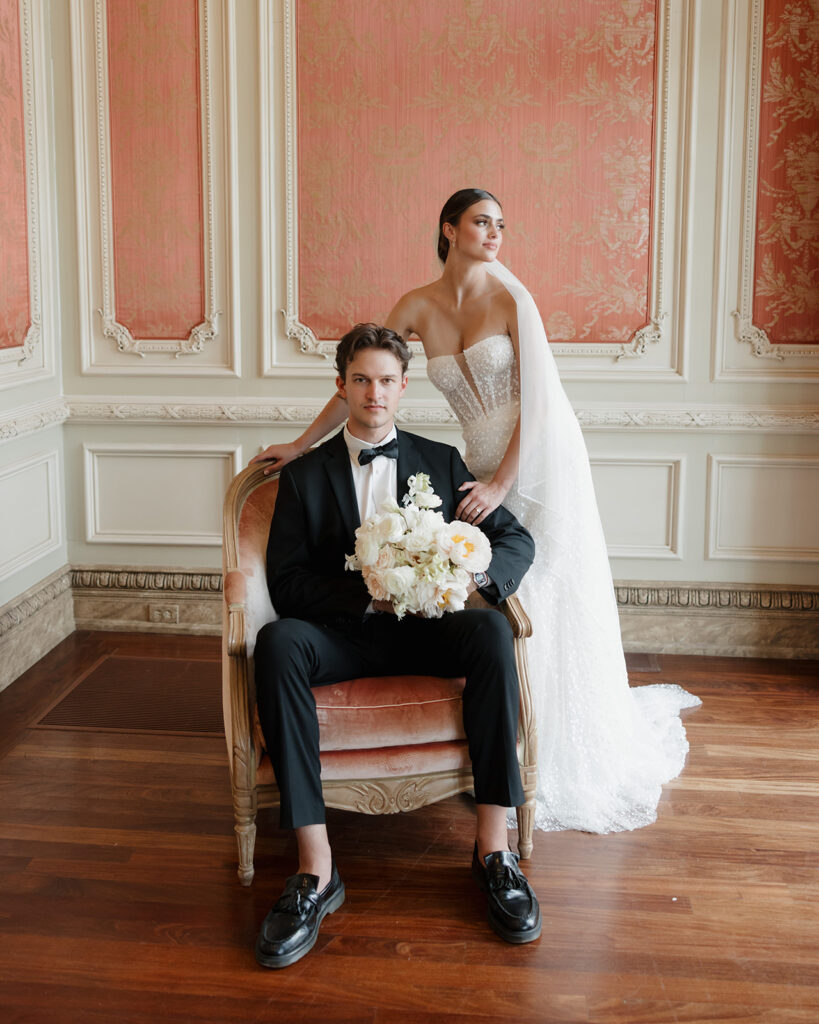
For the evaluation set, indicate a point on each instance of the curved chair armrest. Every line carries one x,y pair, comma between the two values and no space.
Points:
235,588
236,639
518,619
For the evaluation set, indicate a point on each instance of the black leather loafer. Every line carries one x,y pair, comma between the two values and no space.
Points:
512,907
291,928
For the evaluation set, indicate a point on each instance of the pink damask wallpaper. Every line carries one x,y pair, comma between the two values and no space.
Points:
786,286
156,176
14,282
549,105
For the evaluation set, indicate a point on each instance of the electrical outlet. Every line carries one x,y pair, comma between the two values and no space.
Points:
165,613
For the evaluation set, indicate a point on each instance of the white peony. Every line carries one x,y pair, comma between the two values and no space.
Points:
465,545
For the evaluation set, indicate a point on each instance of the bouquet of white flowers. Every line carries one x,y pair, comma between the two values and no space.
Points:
412,557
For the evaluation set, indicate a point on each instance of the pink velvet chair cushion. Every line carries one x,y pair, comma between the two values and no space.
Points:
384,762
389,710
388,725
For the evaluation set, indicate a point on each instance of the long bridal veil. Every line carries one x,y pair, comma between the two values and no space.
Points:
604,748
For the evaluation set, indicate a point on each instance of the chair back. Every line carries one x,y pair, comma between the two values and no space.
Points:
248,511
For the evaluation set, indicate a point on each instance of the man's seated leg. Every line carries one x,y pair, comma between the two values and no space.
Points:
481,646
291,655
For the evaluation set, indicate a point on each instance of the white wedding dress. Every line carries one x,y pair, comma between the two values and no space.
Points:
604,748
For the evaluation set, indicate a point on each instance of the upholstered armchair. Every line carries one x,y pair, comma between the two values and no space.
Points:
387,744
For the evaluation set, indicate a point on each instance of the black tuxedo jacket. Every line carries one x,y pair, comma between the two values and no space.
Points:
316,517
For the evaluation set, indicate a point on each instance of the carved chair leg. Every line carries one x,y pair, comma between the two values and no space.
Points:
526,824
245,829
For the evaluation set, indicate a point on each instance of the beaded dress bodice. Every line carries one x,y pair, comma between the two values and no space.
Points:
482,386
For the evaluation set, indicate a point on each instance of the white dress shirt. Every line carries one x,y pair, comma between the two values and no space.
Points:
375,481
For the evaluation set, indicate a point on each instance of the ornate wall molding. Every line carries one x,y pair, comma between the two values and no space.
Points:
35,357
34,600
435,412
715,596
106,343
653,351
717,419
630,593
248,412
138,580
32,418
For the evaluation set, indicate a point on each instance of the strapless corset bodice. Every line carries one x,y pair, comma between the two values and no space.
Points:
479,380
482,386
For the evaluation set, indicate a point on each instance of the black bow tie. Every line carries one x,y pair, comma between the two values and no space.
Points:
390,449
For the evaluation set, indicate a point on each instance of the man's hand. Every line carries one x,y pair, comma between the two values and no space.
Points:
386,606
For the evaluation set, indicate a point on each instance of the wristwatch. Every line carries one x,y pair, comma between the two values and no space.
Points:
481,579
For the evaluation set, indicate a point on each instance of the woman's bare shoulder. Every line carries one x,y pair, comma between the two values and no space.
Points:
405,314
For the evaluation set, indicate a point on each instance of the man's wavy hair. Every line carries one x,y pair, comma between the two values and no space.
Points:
371,336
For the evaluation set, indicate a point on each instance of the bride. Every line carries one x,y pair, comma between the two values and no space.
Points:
604,748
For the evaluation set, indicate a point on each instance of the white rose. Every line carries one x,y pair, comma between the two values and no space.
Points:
366,547
386,558
389,528
372,577
398,582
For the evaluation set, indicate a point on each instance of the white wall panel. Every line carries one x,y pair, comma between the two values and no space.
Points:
764,507
157,494
640,504
32,520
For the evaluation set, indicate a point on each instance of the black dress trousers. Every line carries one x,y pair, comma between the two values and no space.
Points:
293,654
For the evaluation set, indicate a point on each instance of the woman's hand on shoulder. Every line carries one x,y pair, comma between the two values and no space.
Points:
480,501
278,455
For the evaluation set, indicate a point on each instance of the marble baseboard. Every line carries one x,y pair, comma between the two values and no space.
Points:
133,613
148,600
33,623
725,633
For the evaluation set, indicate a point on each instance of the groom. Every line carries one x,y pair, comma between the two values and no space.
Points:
329,629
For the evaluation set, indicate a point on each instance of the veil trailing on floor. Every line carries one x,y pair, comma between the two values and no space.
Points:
604,748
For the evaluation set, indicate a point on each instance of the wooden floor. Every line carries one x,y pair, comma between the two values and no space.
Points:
119,901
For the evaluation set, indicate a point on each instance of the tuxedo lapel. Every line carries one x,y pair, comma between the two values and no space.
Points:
340,475
409,462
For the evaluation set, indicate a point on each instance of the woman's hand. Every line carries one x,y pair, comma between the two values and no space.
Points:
279,455
481,500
